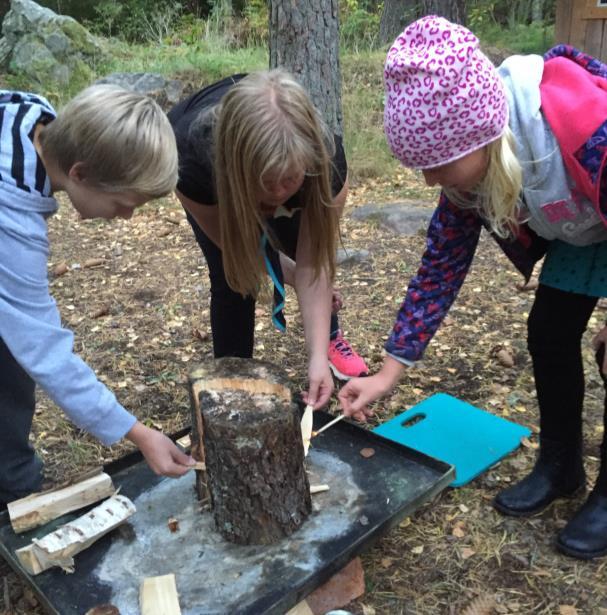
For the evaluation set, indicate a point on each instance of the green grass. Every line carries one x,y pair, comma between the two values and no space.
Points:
533,38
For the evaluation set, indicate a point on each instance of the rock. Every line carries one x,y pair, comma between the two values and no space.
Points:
41,45
405,218
350,257
166,92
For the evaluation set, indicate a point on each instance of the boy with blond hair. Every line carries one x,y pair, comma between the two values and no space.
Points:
110,151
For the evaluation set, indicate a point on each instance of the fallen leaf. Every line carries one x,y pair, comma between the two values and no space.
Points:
458,530
527,286
367,452
386,562
567,609
467,552
417,550
103,609
505,358
93,262
104,310
60,269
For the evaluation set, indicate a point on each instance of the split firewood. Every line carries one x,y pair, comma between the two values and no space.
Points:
59,547
40,508
158,596
306,427
318,488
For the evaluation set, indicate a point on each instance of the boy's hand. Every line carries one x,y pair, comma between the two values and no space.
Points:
161,454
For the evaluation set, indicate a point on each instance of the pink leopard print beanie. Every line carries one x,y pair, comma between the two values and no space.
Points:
444,98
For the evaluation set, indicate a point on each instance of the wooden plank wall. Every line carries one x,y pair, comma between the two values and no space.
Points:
573,27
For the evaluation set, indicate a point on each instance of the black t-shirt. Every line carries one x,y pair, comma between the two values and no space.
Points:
192,122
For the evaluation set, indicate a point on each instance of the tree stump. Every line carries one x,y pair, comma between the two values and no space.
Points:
246,429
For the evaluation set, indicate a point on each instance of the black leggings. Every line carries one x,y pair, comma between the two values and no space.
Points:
556,324
232,315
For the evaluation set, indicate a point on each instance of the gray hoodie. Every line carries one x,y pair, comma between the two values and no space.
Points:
30,323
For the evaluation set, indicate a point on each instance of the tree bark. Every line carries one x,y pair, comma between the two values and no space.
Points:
304,39
453,10
253,449
394,17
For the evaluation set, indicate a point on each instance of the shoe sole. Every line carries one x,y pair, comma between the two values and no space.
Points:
579,554
343,377
509,512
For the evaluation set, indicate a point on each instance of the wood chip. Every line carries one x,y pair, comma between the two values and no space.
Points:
173,524
367,452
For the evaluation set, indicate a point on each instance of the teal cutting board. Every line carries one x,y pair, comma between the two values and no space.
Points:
455,432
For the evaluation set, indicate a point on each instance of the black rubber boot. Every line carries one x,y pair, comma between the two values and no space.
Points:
585,536
558,473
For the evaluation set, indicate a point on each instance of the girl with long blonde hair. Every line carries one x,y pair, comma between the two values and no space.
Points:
263,183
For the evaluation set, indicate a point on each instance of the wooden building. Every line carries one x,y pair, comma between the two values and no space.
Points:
583,24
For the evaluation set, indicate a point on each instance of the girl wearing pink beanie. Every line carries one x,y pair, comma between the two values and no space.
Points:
522,151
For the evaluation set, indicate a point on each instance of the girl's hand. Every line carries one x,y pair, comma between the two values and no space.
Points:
358,393
337,301
601,338
161,454
320,384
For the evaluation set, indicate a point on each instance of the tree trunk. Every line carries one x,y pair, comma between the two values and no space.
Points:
304,39
252,447
453,10
394,17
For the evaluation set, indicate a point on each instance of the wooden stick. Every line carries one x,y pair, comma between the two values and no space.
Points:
318,489
329,424
59,547
158,596
40,508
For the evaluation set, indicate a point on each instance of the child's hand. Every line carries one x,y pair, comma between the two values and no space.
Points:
160,452
601,338
320,384
358,393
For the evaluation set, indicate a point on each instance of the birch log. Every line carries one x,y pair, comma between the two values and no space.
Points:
40,508
253,449
59,547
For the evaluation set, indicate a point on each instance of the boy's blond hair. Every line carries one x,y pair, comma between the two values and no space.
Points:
123,140
267,124
497,197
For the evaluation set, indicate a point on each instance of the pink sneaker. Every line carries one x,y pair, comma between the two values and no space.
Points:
343,360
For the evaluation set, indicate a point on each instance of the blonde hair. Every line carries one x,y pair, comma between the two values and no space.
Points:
123,140
497,196
266,123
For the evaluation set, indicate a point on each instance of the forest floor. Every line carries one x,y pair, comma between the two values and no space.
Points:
141,320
